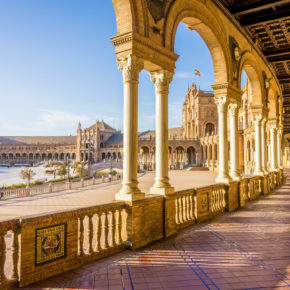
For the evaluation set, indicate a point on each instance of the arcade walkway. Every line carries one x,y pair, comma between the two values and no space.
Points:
246,249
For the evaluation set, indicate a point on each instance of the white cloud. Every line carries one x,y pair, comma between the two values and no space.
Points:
184,75
56,119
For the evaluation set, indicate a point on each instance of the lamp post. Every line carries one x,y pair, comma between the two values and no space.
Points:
89,156
67,160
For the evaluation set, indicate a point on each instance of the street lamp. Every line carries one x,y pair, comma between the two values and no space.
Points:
67,160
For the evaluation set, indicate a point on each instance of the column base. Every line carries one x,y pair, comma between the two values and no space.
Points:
129,196
225,179
236,178
259,173
162,190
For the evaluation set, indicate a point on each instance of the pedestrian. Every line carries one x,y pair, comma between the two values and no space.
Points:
110,177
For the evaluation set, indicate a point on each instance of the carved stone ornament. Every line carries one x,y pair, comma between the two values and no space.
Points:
221,103
236,55
258,119
161,79
131,66
156,8
233,109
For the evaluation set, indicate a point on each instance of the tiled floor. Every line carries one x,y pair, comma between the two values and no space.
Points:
246,249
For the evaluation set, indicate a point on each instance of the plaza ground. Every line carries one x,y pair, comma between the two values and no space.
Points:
246,249
94,195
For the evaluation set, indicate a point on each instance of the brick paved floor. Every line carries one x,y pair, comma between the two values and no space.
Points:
246,249
94,195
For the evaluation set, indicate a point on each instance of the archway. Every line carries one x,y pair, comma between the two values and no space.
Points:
191,155
209,129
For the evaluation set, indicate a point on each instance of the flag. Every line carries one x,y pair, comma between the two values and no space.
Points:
196,72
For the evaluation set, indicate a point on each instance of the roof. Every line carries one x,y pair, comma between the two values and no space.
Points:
115,138
102,126
22,140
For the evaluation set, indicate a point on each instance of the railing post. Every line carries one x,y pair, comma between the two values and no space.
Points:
82,182
90,235
27,190
81,236
3,279
15,253
50,187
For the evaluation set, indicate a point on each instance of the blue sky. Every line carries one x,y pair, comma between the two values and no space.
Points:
58,67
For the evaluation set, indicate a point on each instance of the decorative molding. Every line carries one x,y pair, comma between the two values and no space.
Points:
236,55
233,109
221,103
156,9
139,39
131,66
161,79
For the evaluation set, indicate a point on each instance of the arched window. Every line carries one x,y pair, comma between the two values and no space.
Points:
209,129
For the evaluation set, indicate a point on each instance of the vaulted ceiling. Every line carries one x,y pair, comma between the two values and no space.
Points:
268,24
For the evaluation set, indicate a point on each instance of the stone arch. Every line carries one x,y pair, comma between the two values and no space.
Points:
191,155
249,64
125,16
273,104
203,20
209,128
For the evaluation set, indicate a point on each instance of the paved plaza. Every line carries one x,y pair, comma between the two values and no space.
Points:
246,249
94,195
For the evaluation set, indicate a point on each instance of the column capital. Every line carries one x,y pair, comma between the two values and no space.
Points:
161,79
272,127
258,119
233,109
131,66
221,103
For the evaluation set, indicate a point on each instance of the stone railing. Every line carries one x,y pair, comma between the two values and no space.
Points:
90,233
84,235
50,187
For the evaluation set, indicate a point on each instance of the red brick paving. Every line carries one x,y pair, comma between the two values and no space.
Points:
246,249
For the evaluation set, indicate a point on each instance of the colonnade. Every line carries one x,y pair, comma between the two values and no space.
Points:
227,99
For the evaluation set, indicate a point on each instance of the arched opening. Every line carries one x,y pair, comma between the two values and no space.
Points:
103,156
102,145
119,156
209,129
191,155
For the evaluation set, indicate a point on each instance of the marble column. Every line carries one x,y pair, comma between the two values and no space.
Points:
222,106
233,113
279,149
263,147
130,66
273,140
258,145
161,79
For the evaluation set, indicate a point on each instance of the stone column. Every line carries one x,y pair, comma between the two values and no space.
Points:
263,146
273,138
222,106
258,145
233,112
130,66
279,149
161,79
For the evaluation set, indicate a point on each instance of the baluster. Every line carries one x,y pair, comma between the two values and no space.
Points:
81,236
106,230
99,232
3,278
113,229
180,210
14,254
188,207
90,235
177,212
184,208
119,231
191,211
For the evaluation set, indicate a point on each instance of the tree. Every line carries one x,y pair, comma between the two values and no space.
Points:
27,174
81,169
62,170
